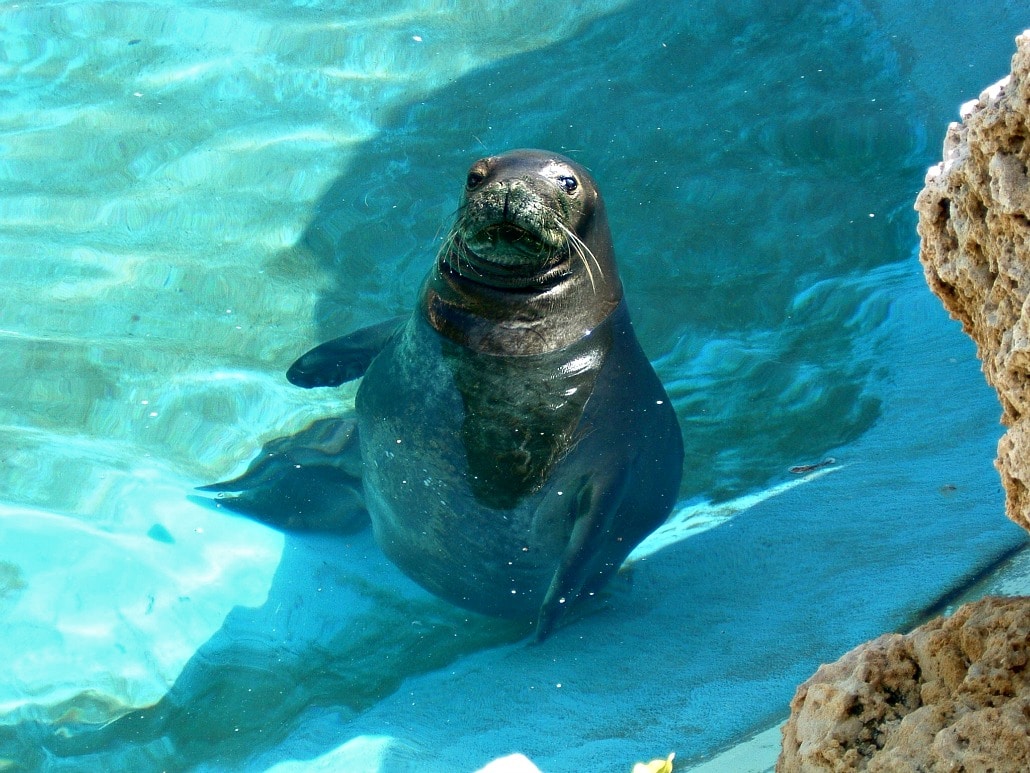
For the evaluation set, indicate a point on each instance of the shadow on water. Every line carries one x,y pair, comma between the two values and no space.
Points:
756,167
757,164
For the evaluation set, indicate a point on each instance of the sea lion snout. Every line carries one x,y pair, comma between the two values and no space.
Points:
511,219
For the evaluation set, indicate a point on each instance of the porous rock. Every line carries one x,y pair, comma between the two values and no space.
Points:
953,695
974,225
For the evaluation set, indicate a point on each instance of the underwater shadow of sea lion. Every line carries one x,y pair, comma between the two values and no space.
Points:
512,443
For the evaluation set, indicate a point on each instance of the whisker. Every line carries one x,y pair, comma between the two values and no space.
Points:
577,244
453,219
445,246
453,246
597,263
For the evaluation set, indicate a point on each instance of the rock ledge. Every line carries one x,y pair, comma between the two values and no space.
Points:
953,695
974,225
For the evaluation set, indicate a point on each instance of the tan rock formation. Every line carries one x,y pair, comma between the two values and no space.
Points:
953,695
974,222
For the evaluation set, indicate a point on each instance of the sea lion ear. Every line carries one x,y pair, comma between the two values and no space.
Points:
343,359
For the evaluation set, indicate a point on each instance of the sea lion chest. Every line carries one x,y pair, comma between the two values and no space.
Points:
457,446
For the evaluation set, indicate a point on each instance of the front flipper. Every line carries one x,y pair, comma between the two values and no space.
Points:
310,481
583,562
342,359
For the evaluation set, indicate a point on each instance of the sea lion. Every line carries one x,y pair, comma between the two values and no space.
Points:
515,442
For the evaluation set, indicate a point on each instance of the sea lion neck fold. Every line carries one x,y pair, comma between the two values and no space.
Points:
528,265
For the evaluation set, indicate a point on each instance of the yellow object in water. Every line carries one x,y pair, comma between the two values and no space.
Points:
655,766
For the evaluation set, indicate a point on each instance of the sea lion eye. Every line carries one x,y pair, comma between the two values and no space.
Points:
568,183
474,180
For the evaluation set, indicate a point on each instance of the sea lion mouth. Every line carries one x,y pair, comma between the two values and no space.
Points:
505,242
504,256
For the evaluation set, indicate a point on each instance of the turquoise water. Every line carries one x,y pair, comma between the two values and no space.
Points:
192,194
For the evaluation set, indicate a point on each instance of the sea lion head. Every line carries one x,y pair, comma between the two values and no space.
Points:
528,218
529,257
